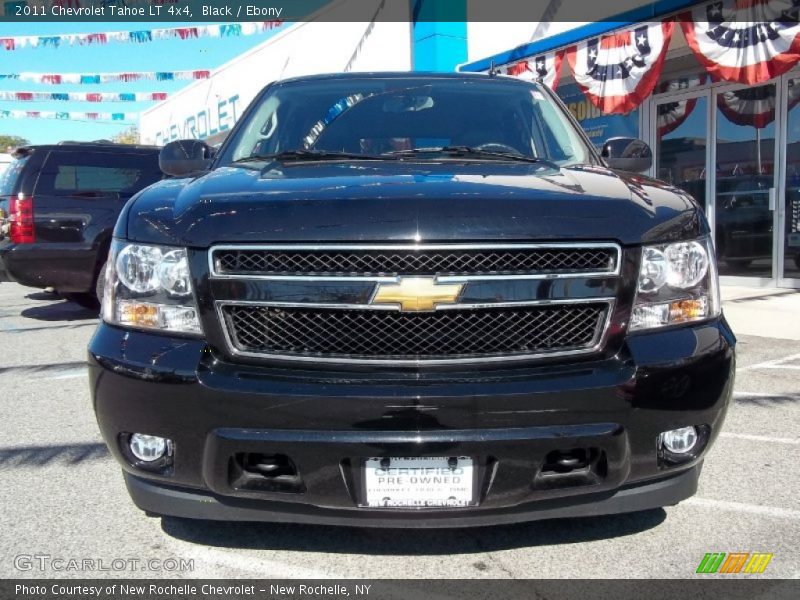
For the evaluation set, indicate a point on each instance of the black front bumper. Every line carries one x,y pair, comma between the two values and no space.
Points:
164,500
509,421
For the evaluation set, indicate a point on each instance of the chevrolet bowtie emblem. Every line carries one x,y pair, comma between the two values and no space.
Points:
416,294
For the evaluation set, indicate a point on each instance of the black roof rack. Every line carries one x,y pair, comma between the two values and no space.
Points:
21,151
103,142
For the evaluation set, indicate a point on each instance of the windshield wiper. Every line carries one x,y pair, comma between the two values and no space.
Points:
307,155
460,151
456,151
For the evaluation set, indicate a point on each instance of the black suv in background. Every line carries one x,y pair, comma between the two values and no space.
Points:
58,207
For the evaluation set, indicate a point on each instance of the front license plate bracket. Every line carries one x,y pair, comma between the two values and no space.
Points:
419,482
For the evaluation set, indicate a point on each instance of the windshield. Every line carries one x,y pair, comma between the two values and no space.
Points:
397,117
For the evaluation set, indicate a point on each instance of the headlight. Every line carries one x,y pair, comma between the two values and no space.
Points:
149,287
677,284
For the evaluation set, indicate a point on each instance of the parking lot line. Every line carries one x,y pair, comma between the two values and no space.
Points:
760,438
778,363
756,509
248,564
75,374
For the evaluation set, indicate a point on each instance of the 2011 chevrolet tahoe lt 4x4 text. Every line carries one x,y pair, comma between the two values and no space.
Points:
410,300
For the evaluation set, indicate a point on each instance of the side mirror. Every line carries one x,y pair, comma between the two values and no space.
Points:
627,154
183,157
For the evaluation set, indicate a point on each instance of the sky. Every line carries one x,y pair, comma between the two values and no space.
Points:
166,55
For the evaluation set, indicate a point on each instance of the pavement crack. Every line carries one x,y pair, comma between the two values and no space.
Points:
484,549
7,329
41,456
51,369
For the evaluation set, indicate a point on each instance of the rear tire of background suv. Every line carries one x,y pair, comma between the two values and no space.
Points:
91,300
85,299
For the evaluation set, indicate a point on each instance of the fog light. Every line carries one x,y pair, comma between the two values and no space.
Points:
679,441
148,448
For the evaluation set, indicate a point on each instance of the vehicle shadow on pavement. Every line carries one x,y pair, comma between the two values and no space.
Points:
61,311
370,541
42,295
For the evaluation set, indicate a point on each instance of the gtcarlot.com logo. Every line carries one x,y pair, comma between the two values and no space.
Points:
734,562
47,562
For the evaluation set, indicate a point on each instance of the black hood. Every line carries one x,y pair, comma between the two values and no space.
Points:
366,201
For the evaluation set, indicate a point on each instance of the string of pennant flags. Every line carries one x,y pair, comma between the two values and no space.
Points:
97,78
138,37
69,116
83,97
89,79
103,38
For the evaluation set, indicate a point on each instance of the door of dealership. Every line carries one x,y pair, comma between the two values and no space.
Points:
736,149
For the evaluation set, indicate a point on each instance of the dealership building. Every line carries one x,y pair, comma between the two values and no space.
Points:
713,87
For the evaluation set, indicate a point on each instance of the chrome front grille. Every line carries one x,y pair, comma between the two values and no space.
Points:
321,303
393,335
394,261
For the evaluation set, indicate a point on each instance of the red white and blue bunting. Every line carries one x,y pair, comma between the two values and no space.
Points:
96,78
545,68
617,72
138,37
671,115
751,106
755,106
69,116
747,42
82,97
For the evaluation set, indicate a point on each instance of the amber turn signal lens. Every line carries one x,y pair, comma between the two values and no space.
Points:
687,310
143,315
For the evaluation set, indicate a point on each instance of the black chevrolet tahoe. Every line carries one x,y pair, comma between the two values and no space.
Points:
410,300
58,207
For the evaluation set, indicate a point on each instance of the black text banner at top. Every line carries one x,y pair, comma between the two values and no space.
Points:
254,11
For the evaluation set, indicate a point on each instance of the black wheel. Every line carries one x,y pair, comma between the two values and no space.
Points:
85,299
93,299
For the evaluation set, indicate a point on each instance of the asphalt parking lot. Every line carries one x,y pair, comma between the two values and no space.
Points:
63,497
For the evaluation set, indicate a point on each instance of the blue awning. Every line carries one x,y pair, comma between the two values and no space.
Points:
649,12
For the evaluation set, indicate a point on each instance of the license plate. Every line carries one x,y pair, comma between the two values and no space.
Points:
419,482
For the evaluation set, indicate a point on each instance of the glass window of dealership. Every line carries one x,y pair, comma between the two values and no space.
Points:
745,174
744,171
733,147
